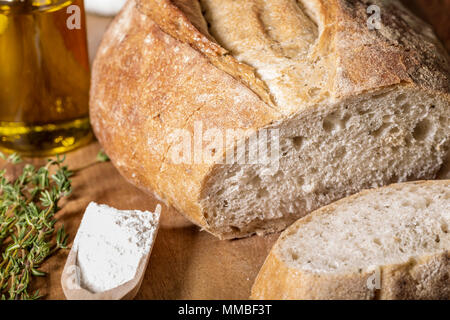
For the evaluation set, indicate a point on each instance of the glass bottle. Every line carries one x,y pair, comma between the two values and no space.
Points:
44,76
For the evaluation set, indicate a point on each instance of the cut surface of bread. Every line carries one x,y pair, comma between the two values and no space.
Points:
355,108
401,230
331,152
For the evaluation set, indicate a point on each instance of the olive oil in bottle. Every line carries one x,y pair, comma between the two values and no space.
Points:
44,76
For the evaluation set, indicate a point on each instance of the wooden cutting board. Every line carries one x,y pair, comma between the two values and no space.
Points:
186,263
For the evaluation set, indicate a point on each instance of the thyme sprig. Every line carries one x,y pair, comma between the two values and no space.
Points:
28,236
102,156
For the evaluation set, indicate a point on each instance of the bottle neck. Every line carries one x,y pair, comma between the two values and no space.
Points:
13,6
13,3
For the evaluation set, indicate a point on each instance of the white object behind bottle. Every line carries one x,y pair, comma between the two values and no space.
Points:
104,7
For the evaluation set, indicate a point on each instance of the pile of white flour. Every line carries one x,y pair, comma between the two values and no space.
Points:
111,243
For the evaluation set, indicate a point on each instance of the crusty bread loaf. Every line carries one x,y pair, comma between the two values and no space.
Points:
387,243
355,108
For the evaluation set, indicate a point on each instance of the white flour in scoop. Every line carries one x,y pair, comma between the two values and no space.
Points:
111,243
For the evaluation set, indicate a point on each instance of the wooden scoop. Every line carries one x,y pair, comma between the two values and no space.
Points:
70,281
70,278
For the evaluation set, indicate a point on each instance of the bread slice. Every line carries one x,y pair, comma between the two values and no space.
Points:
355,108
387,243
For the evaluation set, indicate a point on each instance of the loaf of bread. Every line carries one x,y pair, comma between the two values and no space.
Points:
387,243
350,104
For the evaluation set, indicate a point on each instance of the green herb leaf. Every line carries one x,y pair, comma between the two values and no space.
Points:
27,234
102,156
14,158
37,273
